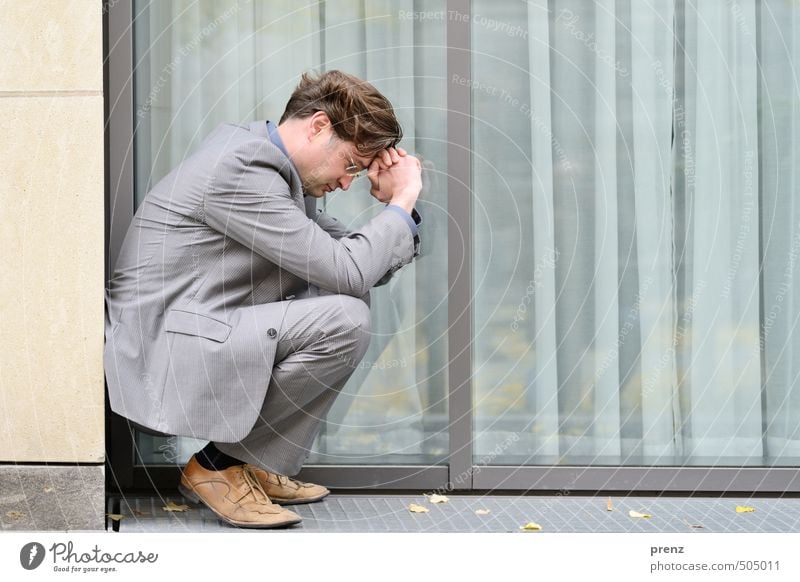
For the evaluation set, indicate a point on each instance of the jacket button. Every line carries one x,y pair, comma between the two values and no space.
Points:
272,333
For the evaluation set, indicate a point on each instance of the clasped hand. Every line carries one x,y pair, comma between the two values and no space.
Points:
395,178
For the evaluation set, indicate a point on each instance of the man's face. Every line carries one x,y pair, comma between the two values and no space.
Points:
330,163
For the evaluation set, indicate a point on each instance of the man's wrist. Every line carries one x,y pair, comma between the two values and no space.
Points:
407,205
408,218
405,200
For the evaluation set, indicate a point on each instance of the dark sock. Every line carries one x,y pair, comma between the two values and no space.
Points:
212,459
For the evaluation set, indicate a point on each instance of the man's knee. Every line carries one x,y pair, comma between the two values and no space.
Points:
336,315
352,326
329,325
355,312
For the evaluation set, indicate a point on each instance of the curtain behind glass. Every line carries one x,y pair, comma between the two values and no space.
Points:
200,63
623,217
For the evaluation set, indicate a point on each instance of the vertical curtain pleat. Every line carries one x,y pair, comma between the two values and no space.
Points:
779,158
650,148
542,391
722,411
606,404
287,43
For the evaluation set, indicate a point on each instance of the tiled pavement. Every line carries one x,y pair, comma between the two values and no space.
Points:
507,513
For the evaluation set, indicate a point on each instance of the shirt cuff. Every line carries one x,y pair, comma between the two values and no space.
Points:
406,216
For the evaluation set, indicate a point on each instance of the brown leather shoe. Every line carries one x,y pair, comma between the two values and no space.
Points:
287,491
235,495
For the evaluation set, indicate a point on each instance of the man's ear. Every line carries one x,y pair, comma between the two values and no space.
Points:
317,124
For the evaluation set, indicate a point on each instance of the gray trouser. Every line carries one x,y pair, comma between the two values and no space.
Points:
320,344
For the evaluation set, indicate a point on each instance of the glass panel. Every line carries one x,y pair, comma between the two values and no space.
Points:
202,62
635,228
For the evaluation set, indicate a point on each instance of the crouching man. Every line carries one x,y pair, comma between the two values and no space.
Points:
236,311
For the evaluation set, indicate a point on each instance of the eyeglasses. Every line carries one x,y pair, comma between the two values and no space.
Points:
352,169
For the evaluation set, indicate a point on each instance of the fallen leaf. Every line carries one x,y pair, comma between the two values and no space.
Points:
47,489
436,498
531,526
115,516
744,509
633,513
695,525
414,508
15,515
171,506
481,512
609,505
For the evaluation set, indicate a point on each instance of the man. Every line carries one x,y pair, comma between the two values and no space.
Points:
236,311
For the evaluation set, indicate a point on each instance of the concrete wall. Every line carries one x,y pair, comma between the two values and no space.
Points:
51,245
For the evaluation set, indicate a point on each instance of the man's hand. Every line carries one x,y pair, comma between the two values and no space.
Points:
396,178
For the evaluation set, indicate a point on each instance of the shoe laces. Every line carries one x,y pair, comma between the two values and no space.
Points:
253,483
283,480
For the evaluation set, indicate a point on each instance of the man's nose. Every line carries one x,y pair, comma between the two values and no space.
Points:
344,182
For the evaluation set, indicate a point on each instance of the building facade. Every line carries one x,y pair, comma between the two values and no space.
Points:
606,295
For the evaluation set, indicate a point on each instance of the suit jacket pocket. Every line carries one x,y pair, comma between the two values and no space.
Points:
196,324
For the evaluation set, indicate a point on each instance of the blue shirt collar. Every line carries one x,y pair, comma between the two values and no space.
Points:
275,138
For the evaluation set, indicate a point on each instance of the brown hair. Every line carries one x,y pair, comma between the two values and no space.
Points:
356,109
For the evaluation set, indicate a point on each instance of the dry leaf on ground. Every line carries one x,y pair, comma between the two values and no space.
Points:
633,513
609,505
414,508
695,525
436,498
530,526
115,516
744,509
172,506
481,512
15,515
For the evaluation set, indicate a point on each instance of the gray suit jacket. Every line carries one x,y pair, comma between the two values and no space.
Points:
202,279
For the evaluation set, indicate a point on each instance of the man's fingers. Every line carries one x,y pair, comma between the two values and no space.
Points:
395,167
390,156
373,170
